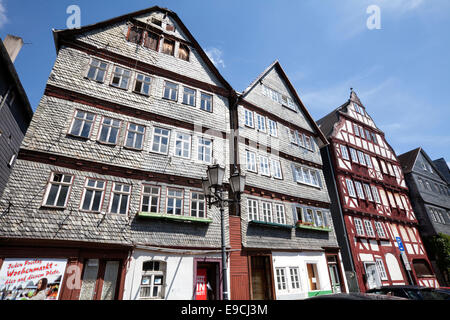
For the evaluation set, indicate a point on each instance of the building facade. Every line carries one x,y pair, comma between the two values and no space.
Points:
377,227
282,235
430,197
107,184
15,109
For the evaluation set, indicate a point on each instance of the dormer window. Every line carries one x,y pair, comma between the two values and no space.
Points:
183,52
168,47
157,22
151,41
135,35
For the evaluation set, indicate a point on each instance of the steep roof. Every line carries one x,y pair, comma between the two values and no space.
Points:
442,167
276,64
67,33
408,159
9,66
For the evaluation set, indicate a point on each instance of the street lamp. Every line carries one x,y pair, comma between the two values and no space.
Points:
213,190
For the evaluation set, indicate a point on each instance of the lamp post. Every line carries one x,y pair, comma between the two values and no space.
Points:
213,190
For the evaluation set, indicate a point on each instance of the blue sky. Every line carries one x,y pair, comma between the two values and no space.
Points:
401,72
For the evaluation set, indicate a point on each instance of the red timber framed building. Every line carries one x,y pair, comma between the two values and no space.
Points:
107,184
376,227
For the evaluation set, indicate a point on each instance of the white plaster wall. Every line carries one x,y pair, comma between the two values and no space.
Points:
300,259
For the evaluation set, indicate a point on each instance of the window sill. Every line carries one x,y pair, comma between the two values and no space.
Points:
163,216
311,227
141,94
271,224
132,149
309,185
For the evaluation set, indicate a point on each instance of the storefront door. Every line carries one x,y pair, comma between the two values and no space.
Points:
373,278
335,275
100,280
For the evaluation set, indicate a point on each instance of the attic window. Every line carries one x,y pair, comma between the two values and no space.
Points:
170,27
157,22
183,52
168,47
135,35
151,41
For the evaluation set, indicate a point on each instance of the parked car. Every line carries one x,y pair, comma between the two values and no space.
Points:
412,292
355,296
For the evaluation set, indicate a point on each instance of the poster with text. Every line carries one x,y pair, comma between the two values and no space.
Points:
31,279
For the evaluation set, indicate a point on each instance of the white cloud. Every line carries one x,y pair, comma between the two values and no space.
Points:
216,56
3,18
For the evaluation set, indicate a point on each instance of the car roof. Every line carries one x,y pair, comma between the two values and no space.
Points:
393,287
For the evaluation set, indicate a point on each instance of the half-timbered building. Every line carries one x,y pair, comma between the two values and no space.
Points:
108,179
377,227
282,236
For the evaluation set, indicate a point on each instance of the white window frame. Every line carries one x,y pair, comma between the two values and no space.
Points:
204,150
280,213
273,128
251,164
252,210
261,123
85,121
354,155
376,194
359,190
264,166
200,199
94,190
185,141
249,118
152,274
109,127
380,229
163,134
151,195
369,228
97,69
124,76
275,167
350,188
136,132
368,192
170,90
60,185
381,269
121,194
280,274
266,212
359,227
146,82
175,197
189,98
204,102
294,278
344,152
368,161
362,158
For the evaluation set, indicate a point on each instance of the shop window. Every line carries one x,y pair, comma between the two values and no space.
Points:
313,276
152,283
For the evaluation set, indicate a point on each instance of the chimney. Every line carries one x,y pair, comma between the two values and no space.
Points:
13,45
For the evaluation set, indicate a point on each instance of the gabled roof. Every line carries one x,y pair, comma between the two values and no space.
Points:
442,166
68,33
276,64
408,160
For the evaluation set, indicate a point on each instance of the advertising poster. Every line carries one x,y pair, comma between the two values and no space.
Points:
201,293
31,279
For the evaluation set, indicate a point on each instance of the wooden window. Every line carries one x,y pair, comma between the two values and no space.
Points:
281,279
174,201
58,190
368,192
308,215
249,120
260,123
264,166
359,227
293,136
251,161
161,139
354,155
308,142
350,188
374,138
273,131
120,198
359,190
97,70
183,52
150,198
361,132
183,145
307,176
252,209
280,214
151,41
266,213
295,278
355,127
135,35
82,124
380,229
121,78
142,84
93,195
368,136
170,91
344,152
275,167
205,150
152,282
381,269
369,228
361,158
198,205
313,276
368,161
135,136
319,220
109,131
189,96
206,102
168,47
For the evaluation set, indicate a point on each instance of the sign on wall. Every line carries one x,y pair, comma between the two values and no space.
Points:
31,279
202,283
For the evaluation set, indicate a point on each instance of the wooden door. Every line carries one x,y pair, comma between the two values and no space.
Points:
261,284
100,280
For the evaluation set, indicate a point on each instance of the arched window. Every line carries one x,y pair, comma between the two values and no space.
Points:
153,277
422,268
